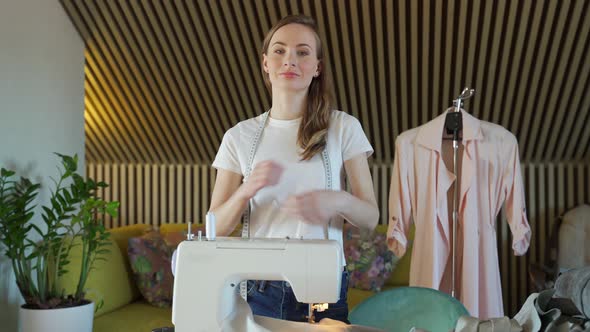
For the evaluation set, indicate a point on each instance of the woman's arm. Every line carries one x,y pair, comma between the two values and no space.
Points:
359,207
225,204
230,195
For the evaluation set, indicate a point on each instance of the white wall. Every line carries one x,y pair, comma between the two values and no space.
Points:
41,105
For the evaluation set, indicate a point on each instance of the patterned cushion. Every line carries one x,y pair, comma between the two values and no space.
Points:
368,259
149,257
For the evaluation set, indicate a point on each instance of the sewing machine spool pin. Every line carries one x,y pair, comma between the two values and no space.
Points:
210,226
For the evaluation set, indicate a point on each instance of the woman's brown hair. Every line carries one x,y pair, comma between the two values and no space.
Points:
314,123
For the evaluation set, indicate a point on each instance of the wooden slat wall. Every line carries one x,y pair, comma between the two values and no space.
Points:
166,79
156,194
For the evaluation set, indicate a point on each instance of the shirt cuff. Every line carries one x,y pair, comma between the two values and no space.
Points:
397,243
521,237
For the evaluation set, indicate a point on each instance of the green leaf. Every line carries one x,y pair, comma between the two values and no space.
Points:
70,163
48,214
63,205
112,208
99,305
6,173
91,184
68,196
37,229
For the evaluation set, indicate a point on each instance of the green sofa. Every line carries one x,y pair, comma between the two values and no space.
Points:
124,309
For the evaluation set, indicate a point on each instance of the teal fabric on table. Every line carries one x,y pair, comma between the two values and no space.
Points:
400,309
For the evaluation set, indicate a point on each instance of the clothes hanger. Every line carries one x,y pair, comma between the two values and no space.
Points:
454,121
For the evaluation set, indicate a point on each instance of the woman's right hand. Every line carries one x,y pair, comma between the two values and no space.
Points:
265,173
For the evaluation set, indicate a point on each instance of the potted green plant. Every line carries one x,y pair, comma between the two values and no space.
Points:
39,253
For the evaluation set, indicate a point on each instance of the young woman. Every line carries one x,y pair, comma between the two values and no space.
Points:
286,167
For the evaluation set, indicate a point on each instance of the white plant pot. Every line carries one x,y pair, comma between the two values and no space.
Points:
74,319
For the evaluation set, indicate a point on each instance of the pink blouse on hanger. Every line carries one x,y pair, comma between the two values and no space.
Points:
490,176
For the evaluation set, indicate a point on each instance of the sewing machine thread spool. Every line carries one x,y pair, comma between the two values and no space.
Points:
210,226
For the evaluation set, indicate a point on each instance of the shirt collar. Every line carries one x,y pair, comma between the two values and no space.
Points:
430,135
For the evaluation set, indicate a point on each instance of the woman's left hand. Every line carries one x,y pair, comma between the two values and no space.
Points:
314,207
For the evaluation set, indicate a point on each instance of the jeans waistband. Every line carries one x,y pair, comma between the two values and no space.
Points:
262,284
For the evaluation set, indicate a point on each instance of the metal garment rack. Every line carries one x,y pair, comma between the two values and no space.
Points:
454,125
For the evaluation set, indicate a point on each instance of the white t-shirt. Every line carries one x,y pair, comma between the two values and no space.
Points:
278,142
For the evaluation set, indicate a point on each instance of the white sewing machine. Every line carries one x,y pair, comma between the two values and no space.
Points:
208,276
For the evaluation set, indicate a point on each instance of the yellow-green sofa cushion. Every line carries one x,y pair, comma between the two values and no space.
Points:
183,228
108,282
111,280
176,228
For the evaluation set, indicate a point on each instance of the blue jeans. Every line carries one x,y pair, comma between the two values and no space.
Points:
275,299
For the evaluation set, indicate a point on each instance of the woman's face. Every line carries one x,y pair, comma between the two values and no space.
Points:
291,59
